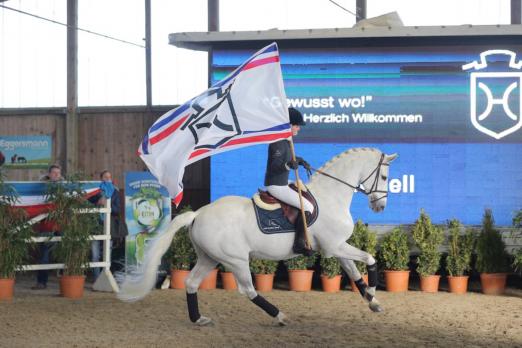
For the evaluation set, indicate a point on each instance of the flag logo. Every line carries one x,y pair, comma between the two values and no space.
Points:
202,119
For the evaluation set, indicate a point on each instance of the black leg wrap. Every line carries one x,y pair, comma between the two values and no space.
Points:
362,290
361,286
266,306
192,302
372,275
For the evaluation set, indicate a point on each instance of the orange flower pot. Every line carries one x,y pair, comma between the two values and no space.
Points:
396,281
430,283
209,283
228,280
300,280
177,278
458,284
72,286
354,287
493,283
6,288
331,284
264,282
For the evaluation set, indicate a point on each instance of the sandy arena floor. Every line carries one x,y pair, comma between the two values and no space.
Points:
413,319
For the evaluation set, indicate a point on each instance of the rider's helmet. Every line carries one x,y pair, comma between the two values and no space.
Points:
296,118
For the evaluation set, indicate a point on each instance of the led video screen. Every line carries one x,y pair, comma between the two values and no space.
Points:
451,111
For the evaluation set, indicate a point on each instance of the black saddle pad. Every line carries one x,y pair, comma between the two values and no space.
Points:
273,221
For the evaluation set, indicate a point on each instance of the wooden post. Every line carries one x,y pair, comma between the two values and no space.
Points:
516,12
360,10
213,15
303,216
212,25
71,120
148,59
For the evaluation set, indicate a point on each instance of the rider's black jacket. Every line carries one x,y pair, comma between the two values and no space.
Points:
279,154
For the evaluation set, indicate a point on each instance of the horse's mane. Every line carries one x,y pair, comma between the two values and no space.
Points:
344,154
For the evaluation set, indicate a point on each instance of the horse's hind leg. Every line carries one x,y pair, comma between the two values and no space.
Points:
203,266
241,271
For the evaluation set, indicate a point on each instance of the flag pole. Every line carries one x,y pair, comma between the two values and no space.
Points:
303,216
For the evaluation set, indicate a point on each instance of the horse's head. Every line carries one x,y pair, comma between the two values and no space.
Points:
363,169
375,183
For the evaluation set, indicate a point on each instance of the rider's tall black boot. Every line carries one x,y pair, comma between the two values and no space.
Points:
300,241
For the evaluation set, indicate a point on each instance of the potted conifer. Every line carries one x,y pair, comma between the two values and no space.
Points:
181,255
365,240
227,278
210,281
460,249
76,228
491,257
14,237
264,271
517,261
396,253
299,276
428,239
330,274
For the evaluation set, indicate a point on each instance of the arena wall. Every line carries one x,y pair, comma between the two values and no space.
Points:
108,139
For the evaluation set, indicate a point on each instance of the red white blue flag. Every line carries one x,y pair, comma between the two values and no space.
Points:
32,195
247,107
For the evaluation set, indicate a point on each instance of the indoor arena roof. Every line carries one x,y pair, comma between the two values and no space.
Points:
202,41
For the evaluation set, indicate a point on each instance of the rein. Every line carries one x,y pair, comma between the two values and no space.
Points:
360,187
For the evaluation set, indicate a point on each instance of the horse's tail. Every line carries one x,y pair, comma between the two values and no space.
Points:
139,282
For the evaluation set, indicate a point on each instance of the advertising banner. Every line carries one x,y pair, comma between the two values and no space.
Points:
451,111
147,213
27,151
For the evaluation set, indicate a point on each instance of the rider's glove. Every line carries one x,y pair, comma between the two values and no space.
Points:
292,164
303,163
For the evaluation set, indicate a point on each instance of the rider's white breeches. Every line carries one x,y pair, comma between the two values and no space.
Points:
289,196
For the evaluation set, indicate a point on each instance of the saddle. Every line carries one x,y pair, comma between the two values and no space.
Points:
274,216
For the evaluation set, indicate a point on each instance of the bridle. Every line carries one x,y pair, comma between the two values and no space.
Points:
360,187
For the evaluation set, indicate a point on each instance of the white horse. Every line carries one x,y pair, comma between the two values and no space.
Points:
226,232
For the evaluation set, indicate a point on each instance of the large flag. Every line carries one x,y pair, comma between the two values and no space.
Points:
247,107
32,195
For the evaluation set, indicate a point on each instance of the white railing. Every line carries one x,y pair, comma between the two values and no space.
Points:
105,281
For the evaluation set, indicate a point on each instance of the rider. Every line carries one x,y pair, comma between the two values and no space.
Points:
278,168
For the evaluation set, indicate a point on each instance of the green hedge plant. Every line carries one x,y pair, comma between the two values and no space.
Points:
330,266
258,266
460,249
491,249
395,250
300,262
14,232
365,240
517,219
76,229
222,268
428,239
517,261
181,253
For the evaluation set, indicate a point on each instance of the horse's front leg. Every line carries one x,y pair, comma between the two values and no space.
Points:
347,254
